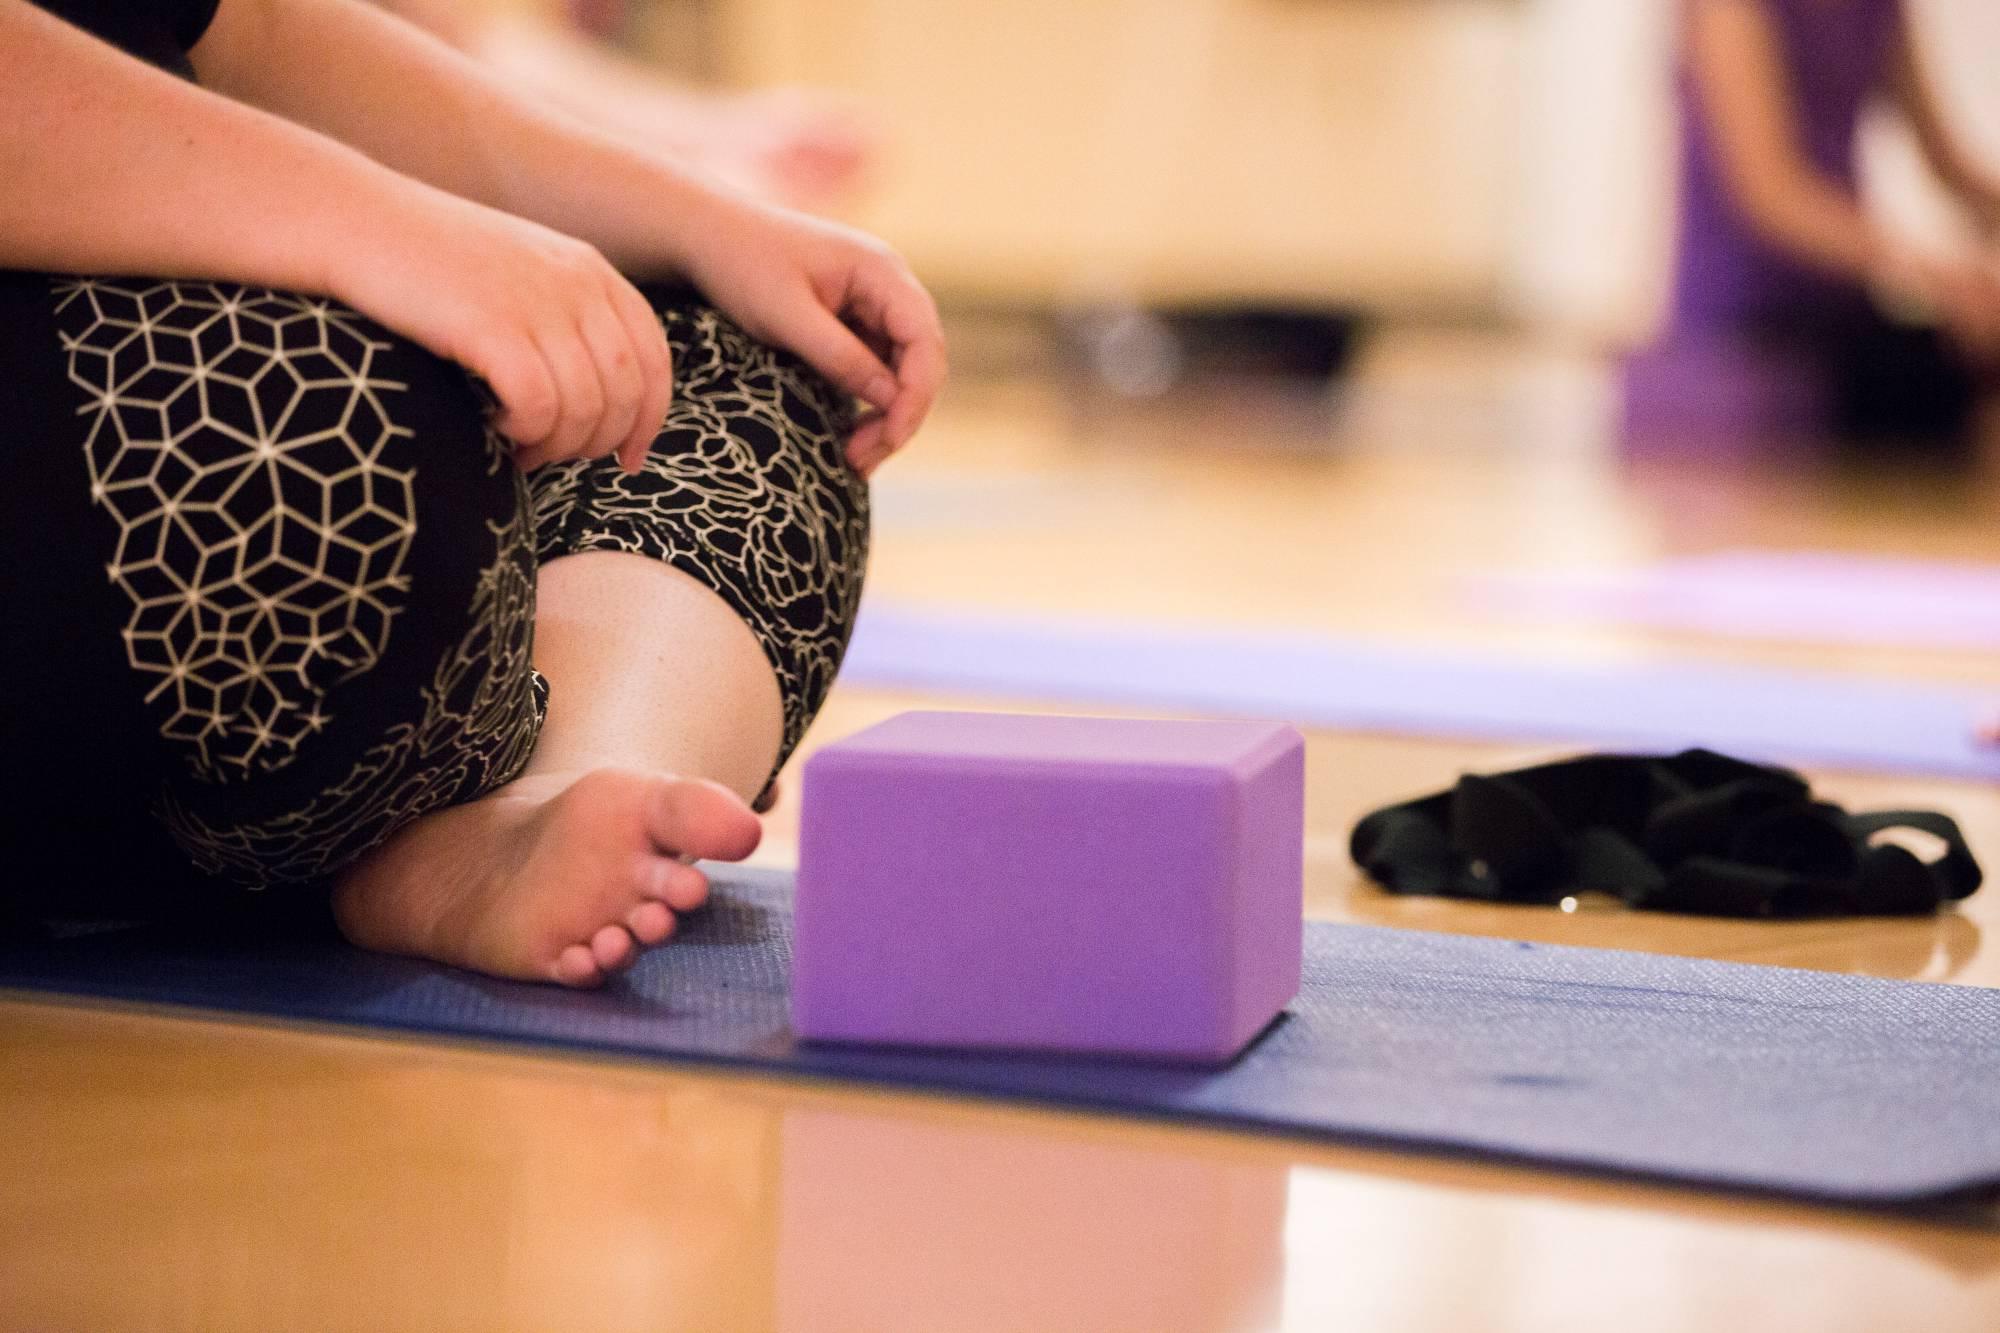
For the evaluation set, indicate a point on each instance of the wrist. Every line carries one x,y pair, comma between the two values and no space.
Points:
380,217
650,215
678,234
703,213
1903,274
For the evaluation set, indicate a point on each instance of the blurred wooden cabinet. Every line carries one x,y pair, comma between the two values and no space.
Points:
1313,151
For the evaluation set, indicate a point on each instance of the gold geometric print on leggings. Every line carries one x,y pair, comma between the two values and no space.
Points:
483,711
237,437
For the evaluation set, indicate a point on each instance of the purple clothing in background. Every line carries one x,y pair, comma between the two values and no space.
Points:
1759,351
1835,54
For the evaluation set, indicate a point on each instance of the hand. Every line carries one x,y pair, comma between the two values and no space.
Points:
575,356
840,299
1972,313
1966,296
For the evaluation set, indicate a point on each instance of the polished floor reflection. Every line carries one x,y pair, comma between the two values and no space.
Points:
244,1178
178,1173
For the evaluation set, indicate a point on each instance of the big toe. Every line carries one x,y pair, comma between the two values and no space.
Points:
703,820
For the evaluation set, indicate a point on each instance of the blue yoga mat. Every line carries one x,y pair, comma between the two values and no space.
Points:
1772,716
1810,1084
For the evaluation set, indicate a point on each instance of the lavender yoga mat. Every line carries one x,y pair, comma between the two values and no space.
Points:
1353,685
1805,597
1810,1084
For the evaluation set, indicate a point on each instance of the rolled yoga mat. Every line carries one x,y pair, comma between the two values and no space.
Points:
1809,1084
1770,716
1792,596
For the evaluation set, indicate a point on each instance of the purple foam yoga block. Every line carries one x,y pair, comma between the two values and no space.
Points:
1078,884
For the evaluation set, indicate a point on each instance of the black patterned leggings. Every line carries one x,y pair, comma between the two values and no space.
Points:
269,580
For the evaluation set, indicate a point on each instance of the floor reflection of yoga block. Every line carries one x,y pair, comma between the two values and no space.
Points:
935,1220
1094,885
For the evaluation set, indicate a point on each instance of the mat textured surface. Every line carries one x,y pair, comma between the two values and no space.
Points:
1781,717
1809,1084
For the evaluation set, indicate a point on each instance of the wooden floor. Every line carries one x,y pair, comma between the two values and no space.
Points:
168,1173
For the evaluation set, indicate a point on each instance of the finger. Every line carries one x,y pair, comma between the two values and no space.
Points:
871,456
619,374
657,366
520,379
891,304
866,447
921,369
835,352
578,390
873,462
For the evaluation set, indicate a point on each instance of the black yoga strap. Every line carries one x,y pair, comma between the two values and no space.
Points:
1691,832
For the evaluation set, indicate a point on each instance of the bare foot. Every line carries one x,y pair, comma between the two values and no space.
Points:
551,878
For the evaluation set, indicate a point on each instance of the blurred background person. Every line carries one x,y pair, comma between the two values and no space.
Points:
793,146
1773,331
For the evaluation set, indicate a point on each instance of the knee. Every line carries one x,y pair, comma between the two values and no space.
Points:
728,386
365,565
770,435
747,489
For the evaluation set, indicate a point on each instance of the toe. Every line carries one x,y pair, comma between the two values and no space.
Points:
650,922
702,820
679,885
612,947
575,966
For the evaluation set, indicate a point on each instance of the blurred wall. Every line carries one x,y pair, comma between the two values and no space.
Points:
1507,159
1318,151
1593,200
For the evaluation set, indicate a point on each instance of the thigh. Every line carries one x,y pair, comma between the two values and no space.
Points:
297,578
746,489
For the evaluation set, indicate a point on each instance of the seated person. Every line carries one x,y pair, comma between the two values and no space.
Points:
791,146
1771,330
455,522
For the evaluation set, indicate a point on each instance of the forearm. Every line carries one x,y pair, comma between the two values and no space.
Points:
1975,188
1817,223
1743,94
113,166
410,101
562,66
